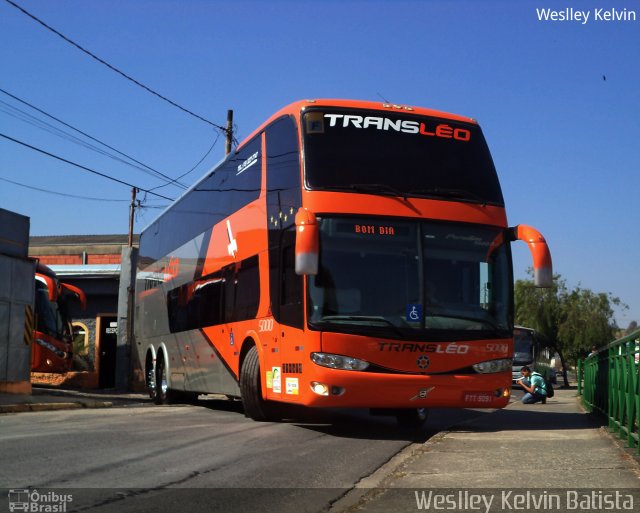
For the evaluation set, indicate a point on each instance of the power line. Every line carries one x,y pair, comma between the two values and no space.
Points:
50,116
74,196
158,207
197,164
113,68
103,175
48,127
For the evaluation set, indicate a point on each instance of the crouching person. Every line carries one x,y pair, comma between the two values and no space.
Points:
534,386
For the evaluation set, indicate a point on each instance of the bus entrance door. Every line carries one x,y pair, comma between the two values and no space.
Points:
107,345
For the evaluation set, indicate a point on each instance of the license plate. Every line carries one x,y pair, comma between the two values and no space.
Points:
478,397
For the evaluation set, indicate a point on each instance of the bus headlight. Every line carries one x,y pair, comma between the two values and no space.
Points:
493,366
336,361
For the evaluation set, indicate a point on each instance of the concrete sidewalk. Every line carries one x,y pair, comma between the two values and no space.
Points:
552,446
48,399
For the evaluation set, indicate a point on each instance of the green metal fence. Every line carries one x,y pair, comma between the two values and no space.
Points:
609,382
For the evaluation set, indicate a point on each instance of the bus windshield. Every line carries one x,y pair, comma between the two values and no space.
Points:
398,154
47,317
52,317
411,279
523,343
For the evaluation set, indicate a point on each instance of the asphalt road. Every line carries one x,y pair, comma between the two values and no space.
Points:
207,457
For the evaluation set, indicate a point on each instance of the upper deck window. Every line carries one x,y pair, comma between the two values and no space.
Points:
398,154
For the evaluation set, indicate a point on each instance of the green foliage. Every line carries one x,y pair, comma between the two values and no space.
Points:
571,321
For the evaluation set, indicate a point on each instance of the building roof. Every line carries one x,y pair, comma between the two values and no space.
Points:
87,271
47,245
81,240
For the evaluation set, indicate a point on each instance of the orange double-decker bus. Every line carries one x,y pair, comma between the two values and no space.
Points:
347,254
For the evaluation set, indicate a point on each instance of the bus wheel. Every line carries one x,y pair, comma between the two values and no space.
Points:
412,417
162,384
165,395
255,406
150,378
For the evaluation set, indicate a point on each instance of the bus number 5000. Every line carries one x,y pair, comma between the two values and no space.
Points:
265,324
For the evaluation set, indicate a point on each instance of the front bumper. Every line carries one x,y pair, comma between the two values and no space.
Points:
355,389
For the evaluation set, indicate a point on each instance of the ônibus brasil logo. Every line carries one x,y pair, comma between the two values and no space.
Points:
22,499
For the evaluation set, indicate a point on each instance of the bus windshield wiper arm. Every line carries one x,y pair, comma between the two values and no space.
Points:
487,322
363,318
450,193
377,187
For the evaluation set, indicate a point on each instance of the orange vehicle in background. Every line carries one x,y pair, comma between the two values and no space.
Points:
347,254
52,349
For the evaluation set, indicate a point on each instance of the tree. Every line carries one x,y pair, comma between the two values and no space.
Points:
633,326
569,321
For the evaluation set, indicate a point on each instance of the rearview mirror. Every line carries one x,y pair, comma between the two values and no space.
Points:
542,267
307,242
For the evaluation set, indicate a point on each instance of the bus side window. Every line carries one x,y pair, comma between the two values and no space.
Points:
229,296
247,290
283,201
291,310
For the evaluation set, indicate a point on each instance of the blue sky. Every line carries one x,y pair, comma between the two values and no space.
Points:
563,138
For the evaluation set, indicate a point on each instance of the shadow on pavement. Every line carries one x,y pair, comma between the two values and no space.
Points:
533,420
360,424
357,423
340,423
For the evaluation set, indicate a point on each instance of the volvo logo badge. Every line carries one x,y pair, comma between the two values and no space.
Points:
423,362
422,393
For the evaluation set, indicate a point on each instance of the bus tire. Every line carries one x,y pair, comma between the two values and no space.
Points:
150,378
255,407
164,395
412,417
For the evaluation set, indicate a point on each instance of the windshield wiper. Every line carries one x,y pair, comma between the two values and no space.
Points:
449,193
361,318
379,188
487,322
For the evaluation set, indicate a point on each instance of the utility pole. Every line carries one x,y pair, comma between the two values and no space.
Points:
227,148
126,287
132,210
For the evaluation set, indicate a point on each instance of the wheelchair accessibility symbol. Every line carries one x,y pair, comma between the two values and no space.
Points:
414,313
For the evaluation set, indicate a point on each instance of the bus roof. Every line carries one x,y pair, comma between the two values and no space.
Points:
295,108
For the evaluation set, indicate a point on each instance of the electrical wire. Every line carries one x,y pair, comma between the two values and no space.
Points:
146,169
113,68
74,196
190,170
48,127
103,175
157,207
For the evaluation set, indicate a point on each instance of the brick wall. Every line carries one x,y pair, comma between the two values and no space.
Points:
103,259
77,259
60,259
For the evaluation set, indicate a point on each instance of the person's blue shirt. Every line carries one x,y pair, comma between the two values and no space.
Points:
538,384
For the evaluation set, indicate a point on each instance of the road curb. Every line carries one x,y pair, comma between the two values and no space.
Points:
27,407
369,486
367,489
